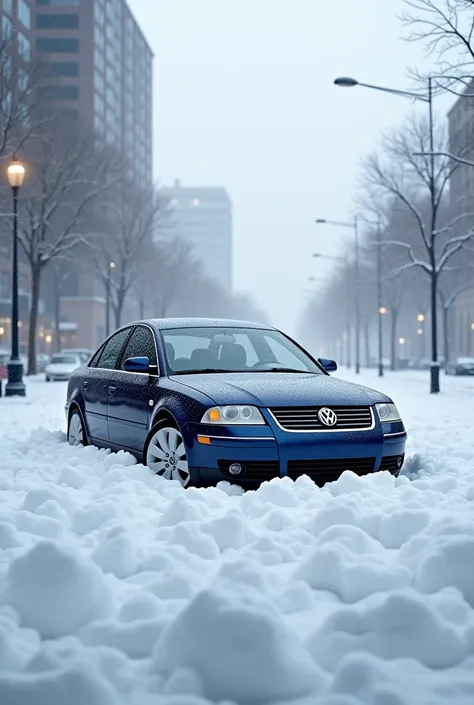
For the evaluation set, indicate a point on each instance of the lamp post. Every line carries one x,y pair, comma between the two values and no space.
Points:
15,385
354,226
381,309
111,268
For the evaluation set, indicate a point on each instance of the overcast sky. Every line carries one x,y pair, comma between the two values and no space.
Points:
244,98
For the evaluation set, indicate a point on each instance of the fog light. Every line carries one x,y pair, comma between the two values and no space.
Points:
236,469
399,462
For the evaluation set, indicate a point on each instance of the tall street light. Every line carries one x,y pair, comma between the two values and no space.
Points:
110,270
381,308
15,385
354,226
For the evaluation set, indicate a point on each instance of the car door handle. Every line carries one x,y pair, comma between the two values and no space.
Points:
112,390
85,384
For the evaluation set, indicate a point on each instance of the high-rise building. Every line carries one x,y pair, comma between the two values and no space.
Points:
461,192
203,217
103,64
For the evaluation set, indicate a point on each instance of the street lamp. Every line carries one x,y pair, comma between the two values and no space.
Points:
15,386
111,268
354,226
420,318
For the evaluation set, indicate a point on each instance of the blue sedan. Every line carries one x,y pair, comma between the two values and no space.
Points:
204,400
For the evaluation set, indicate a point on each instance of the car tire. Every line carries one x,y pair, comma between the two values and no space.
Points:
48,379
165,453
76,433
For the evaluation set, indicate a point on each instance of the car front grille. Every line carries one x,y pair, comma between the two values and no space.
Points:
392,463
322,471
255,470
349,418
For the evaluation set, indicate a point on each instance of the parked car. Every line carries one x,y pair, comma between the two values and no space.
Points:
41,361
4,358
203,400
460,366
61,367
83,353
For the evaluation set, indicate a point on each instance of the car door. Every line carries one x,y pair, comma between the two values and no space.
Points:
129,393
96,383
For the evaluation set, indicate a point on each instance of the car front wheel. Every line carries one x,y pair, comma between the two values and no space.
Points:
75,433
165,453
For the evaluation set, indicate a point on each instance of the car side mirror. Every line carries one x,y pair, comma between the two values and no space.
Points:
328,365
137,364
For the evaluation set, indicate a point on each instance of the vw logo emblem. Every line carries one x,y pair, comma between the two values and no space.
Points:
327,417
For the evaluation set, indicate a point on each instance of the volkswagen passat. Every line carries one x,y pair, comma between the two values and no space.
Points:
200,401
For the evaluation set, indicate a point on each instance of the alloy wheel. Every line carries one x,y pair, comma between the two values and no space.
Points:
75,433
166,455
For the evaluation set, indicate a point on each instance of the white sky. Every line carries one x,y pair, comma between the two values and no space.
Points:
244,99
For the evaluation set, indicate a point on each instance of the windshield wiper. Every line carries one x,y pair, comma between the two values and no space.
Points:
287,369
205,371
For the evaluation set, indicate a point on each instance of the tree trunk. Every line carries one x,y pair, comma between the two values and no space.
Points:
141,308
35,295
393,339
118,308
446,351
367,343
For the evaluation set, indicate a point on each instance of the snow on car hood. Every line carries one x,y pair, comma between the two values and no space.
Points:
280,389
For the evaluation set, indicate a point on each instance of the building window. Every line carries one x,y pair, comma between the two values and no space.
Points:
57,21
22,81
57,3
24,47
8,6
24,13
58,45
60,92
7,27
63,68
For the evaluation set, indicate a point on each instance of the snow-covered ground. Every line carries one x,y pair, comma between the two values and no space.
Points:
117,587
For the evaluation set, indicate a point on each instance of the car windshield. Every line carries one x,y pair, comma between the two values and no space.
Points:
64,360
213,349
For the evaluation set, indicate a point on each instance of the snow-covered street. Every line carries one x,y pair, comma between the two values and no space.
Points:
120,588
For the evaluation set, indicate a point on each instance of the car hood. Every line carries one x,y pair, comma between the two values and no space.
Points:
280,389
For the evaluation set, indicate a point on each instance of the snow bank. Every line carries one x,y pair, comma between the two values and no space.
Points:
119,588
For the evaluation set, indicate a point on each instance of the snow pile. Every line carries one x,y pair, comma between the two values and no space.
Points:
119,588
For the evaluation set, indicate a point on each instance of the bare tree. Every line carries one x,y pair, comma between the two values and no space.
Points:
403,170
68,174
131,222
446,28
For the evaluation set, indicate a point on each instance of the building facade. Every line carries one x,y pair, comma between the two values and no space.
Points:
461,193
203,217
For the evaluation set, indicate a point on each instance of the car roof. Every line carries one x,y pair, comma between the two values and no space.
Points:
167,323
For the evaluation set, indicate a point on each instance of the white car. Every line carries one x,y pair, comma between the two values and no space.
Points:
61,367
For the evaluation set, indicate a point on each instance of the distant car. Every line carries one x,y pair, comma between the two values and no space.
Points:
460,366
4,358
201,401
83,353
61,366
41,361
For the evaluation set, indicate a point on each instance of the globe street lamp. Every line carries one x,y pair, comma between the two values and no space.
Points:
15,386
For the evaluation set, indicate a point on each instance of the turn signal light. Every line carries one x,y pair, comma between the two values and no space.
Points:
205,440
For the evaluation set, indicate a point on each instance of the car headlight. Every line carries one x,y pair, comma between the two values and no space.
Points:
232,415
388,412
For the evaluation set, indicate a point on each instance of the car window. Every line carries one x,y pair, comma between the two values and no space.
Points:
96,356
141,344
112,350
65,360
283,355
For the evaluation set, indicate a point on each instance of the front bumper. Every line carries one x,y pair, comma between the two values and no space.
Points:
266,452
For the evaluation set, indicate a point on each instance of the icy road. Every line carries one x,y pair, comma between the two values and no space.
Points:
119,588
